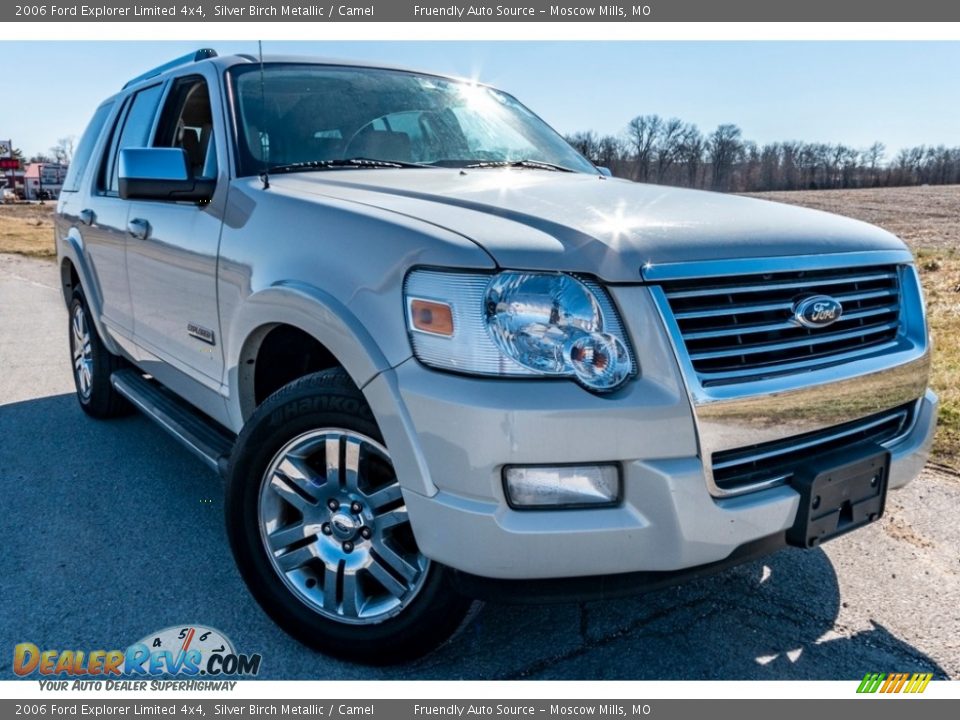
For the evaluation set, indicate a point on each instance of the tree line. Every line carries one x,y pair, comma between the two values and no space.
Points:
672,152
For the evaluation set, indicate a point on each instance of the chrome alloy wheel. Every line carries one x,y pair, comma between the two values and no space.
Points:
81,350
335,527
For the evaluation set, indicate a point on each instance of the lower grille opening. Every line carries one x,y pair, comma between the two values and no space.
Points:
767,464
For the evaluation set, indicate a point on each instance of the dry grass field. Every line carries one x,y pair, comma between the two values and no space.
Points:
27,230
927,218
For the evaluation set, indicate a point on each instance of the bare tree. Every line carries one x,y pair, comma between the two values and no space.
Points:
585,143
642,133
692,147
63,150
668,146
724,148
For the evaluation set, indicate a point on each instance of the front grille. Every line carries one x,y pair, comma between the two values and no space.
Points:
773,463
741,328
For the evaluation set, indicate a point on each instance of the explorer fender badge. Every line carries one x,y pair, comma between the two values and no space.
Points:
201,333
817,311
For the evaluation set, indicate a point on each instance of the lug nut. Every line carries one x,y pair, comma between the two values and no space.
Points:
355,507
326,528
333,504
348,547
366,533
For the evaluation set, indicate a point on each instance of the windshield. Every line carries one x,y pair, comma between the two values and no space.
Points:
321,113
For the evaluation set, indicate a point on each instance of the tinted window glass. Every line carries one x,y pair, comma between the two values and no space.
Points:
81,158
289,113
187,122
136,127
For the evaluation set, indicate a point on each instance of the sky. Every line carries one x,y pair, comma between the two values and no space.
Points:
857,92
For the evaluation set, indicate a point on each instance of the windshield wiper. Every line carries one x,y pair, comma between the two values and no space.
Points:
534,164
358,163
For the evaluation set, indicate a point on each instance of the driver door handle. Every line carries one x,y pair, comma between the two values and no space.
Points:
138,228
88,217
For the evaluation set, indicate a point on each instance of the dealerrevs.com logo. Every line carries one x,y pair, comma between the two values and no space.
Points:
181,651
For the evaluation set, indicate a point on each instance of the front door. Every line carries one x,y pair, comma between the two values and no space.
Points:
172,251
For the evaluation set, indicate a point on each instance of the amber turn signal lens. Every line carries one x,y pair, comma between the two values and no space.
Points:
431,317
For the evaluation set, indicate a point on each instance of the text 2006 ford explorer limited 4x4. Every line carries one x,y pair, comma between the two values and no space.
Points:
438,355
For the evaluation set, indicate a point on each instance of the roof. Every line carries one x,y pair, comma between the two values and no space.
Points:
208,55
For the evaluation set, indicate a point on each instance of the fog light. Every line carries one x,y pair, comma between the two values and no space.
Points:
563,486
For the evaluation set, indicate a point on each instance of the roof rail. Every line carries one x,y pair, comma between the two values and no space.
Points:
193,57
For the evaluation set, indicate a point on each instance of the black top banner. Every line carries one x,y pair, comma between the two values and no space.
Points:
523,11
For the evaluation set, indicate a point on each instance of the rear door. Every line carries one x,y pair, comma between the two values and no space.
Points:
105,235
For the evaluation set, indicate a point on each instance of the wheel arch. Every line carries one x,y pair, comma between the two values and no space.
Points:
315,322
335,329
75,272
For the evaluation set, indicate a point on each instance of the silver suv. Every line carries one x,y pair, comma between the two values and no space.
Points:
439,356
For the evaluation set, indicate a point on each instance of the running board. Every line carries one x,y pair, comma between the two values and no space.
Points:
201,436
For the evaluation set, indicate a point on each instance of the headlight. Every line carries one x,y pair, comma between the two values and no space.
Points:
518,323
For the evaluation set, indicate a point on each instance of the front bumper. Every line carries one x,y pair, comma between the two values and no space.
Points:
467,429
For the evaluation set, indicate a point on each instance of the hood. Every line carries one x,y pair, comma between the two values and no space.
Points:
541,220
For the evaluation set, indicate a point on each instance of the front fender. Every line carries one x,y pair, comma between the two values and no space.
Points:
309,309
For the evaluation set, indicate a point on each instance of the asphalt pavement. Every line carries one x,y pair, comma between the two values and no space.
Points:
110,530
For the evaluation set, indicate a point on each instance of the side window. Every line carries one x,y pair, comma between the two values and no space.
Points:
81,158
135,133
187,122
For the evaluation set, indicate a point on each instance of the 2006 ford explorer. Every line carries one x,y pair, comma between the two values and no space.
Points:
440,356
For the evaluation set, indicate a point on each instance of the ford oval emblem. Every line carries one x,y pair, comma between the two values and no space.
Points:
818,311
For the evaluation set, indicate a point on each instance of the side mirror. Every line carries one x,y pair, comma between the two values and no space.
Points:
605,171
161,174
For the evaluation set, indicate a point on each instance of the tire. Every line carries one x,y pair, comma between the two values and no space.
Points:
319,529
92,364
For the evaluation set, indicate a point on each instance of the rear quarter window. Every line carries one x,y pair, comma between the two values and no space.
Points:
81,157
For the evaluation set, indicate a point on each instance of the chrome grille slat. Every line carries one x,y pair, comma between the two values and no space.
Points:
750,329
750,308
741,328
803,445
807,341
740,289
802,365
750,469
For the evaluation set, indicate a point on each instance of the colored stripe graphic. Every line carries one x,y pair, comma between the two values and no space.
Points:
894,683
871,682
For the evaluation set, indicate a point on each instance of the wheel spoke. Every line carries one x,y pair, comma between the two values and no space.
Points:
332,452
351,594
387,580
287,536
351,457
296,472
330,574
384,496
395,562
297,558
392,519
283,487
